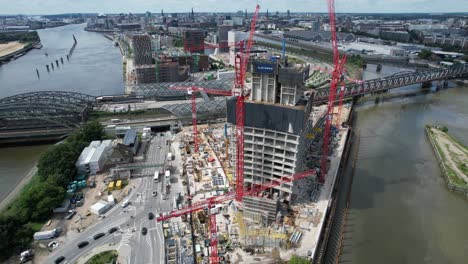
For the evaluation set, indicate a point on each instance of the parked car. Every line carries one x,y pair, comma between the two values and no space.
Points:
59,259
98,236
112,230
144,231
83,244
150,216
70,214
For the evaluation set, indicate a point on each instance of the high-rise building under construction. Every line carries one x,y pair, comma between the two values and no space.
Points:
194,40
278,121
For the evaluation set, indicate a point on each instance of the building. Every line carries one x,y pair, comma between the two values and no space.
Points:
145,74
131,140
196,62
194,40
121,154
171,71
94,157
223,37
101,207
234,38
141,46
277,120
319,36
400,36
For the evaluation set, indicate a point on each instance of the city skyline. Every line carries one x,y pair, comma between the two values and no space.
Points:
141,6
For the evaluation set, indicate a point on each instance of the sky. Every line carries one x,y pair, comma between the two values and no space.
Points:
155,6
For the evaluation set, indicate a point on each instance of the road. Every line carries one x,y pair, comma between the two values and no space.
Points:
129,239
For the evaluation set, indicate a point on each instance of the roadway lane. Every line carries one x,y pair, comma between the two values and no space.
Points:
129,220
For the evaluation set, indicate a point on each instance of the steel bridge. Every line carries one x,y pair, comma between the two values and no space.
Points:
394,81
44,110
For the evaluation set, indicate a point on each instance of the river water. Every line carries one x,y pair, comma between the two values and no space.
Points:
401,211
95,68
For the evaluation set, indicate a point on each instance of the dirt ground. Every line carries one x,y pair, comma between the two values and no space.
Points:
454,153
10,47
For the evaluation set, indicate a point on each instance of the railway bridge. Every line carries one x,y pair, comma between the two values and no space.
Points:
51,113
394,81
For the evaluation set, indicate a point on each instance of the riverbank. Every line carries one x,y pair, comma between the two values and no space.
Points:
10,47
452,157
17,190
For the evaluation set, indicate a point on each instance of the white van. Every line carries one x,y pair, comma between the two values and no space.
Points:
125,203
156,176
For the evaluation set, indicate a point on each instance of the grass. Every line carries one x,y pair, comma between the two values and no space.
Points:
104,258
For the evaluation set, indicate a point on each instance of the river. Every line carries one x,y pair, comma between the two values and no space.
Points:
401,211
95,68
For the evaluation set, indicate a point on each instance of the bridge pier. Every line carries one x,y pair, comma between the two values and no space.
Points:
426,85
379,67
56,62
52,65
47,67
61,59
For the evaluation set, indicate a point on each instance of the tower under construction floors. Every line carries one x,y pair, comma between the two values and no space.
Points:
279,122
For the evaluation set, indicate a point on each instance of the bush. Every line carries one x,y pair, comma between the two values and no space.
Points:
425,54
444,129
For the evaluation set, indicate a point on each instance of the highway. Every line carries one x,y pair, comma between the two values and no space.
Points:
129,240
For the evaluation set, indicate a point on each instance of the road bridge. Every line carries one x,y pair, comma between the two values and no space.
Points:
394,81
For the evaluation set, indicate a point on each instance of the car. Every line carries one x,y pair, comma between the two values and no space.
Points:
150,216
59,259
98,236
70,214
144,231
83,244
52,244
159,147
155,193
112,230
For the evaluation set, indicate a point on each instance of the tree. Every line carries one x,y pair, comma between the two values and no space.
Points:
92,131
425,54
15,236
444,129
299,260
58,164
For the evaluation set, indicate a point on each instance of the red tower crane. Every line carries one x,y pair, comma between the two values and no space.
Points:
338,65
241,63
210,202
191,91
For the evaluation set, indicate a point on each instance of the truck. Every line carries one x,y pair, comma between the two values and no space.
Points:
156,176
167,176
46,234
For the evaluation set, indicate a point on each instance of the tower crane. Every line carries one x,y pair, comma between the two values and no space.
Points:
338,65
241,63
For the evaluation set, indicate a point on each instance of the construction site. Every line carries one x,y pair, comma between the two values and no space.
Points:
259,187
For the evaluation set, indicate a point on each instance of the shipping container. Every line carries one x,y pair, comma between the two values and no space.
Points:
118,185
110,187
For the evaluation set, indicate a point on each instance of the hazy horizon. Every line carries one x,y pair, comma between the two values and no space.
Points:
54,7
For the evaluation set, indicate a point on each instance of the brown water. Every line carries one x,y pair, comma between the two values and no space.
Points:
15,163
401,211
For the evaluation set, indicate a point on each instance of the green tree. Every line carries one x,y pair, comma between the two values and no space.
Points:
444,129
425,54
58,163
299,260
14,236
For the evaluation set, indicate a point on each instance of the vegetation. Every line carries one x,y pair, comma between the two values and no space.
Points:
356,60
24,37
425,54
178,42
105,257
45,192
444,129
299,260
